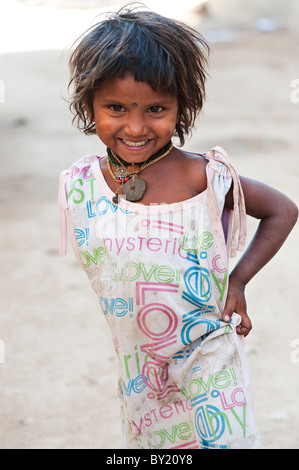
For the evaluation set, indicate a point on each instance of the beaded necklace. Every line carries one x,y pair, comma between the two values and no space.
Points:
126,174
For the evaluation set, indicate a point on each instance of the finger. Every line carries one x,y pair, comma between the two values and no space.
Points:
227,317
245,326
228,311
242,330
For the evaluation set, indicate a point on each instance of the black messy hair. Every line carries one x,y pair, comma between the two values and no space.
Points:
165,53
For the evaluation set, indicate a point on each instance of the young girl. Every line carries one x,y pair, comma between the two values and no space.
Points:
154,225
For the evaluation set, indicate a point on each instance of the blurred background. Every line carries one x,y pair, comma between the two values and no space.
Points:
58,370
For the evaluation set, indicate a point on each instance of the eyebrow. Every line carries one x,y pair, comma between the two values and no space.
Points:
110,100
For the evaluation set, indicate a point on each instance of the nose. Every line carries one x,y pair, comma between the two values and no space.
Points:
136,125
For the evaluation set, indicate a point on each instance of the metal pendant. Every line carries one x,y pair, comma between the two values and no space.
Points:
133,168
134,189
121,173
116,196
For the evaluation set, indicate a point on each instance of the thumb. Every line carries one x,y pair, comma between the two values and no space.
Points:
229,309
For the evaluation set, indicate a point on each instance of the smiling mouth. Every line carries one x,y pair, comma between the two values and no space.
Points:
134,144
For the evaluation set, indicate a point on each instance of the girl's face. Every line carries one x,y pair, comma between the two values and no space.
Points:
132,119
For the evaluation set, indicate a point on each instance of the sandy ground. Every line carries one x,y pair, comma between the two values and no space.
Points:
58,381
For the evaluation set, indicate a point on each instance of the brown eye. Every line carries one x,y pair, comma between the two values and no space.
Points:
116,107
155,109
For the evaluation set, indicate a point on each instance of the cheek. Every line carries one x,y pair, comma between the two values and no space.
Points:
169,128
103,128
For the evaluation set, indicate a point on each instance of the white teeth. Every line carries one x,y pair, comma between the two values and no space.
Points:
135,144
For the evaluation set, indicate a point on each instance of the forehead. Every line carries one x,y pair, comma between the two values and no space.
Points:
132,92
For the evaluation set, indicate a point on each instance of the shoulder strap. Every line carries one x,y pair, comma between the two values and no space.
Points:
237,217
65,219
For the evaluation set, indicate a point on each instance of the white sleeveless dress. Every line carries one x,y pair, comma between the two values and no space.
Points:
161,276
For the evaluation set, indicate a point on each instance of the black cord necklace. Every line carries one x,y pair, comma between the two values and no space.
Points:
126,173
116,160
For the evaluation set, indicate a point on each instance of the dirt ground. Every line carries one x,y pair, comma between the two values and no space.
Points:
58,381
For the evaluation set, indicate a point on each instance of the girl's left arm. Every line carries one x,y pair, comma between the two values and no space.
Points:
278,215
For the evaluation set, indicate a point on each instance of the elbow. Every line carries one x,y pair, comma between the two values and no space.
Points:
287,212
292,214
296,212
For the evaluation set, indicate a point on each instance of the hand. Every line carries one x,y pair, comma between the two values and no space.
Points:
235,302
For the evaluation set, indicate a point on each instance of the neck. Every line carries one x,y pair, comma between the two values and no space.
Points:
115,159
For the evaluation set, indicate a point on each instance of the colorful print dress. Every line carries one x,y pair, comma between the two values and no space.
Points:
161,276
